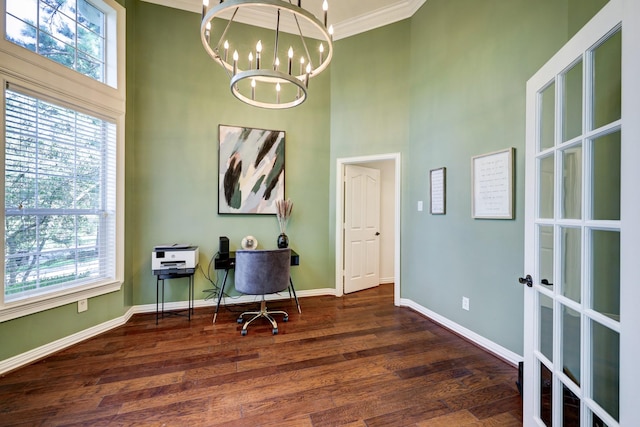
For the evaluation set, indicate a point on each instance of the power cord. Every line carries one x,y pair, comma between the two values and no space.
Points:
214,291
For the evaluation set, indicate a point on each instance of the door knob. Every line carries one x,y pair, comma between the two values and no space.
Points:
377,233
526,280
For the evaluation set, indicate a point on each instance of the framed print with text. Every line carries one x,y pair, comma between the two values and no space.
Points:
492,185
438,191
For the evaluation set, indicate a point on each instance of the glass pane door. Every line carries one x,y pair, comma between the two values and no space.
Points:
576,290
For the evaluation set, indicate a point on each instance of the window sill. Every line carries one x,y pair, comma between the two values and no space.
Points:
21,309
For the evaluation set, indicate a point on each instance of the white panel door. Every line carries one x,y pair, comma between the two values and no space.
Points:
361,228
576,239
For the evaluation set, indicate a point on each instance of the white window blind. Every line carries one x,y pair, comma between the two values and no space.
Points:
60,197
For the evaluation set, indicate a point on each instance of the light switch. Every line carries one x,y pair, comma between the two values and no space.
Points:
419,205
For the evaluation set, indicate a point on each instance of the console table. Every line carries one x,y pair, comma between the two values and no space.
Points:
174,273
229,263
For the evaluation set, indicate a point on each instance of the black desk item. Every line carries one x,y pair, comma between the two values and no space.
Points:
229,263
174,273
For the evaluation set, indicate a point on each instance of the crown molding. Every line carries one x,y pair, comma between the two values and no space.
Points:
188,5
378,18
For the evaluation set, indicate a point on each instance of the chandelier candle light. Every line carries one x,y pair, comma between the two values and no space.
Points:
283,213
268,30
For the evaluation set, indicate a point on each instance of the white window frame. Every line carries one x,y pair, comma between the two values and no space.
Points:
40,75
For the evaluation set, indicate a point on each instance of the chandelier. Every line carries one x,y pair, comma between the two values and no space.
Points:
270,49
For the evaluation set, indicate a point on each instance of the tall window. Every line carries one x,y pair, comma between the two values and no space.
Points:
63,134
59,197
70,32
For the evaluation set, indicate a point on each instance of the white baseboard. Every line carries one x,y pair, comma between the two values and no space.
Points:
31,356
468,334
243,299
387,280
38,353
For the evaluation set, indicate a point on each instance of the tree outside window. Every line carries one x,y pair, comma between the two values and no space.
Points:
69,32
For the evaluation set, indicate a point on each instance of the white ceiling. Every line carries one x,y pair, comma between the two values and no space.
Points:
349,17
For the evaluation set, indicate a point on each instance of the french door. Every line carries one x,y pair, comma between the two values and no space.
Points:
580,191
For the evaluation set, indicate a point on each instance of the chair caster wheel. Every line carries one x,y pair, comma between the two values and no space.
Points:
275,331
243,332
239,320
285,319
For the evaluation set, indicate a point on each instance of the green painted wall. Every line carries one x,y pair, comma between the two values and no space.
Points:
181,96
581,11
130,161
370,92
471,61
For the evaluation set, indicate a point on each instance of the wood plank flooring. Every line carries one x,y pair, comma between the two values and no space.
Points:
350,361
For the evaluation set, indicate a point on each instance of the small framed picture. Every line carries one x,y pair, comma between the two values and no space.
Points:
492,183
438,191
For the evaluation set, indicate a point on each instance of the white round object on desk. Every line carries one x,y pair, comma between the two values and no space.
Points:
249,243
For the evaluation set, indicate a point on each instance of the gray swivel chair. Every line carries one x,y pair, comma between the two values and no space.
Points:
260,272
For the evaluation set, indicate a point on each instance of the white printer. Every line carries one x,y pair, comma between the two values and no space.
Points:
169,258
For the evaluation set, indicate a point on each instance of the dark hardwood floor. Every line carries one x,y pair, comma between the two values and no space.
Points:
350,361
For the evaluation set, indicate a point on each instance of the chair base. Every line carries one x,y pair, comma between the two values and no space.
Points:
259,314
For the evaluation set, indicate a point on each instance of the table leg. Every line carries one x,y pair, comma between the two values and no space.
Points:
157,297
224,281
294,294
190,303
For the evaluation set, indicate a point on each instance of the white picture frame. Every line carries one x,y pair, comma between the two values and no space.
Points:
492,185
438,191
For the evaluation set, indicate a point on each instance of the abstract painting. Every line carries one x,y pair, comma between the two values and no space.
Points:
250,171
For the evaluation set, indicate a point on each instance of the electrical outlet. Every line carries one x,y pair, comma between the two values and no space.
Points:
83,305
419,205
465,303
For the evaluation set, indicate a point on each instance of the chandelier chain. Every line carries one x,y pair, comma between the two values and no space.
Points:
275,50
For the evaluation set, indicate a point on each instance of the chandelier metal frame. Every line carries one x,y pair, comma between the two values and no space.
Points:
273,74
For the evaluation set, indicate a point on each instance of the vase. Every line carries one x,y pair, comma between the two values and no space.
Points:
283,241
